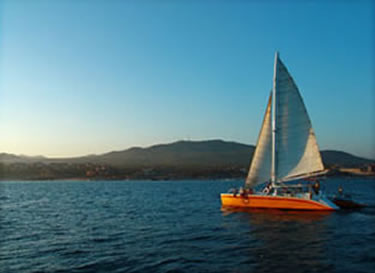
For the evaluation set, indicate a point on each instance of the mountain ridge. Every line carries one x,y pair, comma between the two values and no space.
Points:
214,152
208,159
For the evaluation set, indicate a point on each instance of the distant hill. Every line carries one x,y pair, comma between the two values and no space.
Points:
184,154
11,158
343,159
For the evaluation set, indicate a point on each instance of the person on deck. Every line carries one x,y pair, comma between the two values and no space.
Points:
340,190
267,189
234,191
241,191
316,187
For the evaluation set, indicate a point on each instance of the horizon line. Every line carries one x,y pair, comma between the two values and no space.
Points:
158,144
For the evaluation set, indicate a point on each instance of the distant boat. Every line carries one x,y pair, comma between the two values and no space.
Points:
286,151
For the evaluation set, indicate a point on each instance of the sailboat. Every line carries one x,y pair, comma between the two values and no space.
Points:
286,152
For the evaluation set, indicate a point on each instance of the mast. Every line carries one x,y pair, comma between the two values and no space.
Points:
273,163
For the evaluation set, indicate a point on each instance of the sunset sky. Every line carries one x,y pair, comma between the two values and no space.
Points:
88,77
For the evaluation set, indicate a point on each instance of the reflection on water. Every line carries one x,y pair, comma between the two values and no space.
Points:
288,239
279,215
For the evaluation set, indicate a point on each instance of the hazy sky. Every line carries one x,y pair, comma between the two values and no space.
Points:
82,77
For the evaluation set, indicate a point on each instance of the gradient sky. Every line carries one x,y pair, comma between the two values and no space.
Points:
83,77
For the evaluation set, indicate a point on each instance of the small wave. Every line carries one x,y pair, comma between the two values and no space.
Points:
74,252
74,232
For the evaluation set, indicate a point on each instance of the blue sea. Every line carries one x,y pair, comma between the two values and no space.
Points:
175,226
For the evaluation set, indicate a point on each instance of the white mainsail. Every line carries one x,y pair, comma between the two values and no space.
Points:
296,150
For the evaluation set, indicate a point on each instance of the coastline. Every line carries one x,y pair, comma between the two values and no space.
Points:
332,173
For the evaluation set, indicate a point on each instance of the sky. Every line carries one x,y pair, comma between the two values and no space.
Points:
88,77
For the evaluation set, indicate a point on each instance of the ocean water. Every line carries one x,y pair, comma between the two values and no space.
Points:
175,226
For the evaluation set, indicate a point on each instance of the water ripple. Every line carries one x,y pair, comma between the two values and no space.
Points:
168,226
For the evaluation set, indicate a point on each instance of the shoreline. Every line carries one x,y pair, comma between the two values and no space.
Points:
156,179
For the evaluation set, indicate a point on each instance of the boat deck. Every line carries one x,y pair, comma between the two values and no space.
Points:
275,202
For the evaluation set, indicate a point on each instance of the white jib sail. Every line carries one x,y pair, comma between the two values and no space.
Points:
297,152
260,169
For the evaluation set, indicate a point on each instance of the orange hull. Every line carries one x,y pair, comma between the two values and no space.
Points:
271,202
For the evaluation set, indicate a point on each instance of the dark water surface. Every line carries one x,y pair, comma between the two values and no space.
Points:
175,226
